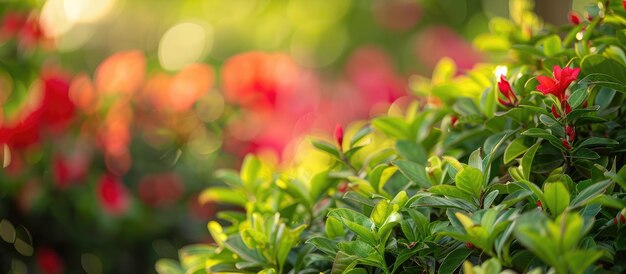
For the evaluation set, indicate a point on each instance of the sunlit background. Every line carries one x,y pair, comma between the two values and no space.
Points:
116,113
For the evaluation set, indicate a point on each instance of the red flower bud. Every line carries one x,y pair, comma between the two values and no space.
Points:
555,113
504,103
338,135
624,4
538,203
453,120
615,221
470,245
343,187
566,144
573,17
585,103
622,218
565,105
571,132
505,89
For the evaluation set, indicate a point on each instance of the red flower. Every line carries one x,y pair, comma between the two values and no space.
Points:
507,91
453,120
566,144
338,135
49,261
571,133
555,112
24,133
56,109
160,189
573,17
343,187
112,195
557,85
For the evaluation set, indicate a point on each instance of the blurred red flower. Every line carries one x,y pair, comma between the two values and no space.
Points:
257,79
371,70
49,261
24,28
53,111
112,195
121,73
397,15
160,189
56,108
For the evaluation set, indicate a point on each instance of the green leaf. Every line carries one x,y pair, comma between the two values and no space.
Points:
454,260
412,151
325,245
578,97
527,161
237,246
597,63
327,147
343,263
254,172
320,183
597,141
334,228
193,256
217,232
579,260
603,80
585,153
451,191
590,193
392,126
470,180
223,195
356,248
557,197
359,135
552,45
490,198
542,133
358,270
414,172
381,212
168,266
432,201
356,222
444,70
514,149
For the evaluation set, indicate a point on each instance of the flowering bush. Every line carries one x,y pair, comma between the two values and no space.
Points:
521,172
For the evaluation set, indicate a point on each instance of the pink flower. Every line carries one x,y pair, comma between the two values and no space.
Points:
112,195
557,85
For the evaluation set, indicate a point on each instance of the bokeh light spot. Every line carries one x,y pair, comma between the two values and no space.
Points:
86,11
184,44
54,19
7,231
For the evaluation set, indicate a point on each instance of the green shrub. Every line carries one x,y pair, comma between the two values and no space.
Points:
523,172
